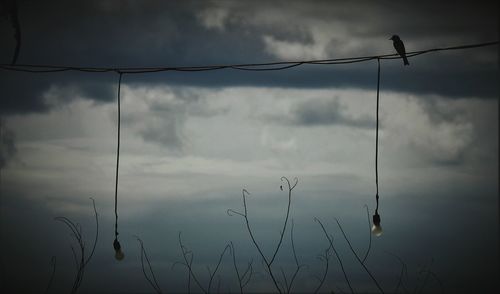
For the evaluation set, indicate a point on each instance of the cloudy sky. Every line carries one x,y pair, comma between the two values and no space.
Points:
191,141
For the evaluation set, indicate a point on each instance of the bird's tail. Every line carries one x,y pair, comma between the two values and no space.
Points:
405,60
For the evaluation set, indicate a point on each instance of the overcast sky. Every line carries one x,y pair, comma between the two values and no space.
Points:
191,141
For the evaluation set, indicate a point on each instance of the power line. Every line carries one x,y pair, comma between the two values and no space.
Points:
267,66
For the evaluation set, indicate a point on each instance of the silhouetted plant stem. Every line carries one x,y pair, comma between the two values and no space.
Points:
152,281
218,284
264,259
326,259
268,262
433,275
369,234
404,270
357,257
242,279
188,261
290,188
53,263
216,267
298,266
285,287
330,240
82,261
428,273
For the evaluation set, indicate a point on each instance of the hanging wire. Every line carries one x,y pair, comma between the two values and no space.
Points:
117,156
268,66
376,134
116,244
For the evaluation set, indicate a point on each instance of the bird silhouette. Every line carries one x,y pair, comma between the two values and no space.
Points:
400,48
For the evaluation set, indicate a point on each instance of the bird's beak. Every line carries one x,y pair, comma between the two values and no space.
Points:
390,38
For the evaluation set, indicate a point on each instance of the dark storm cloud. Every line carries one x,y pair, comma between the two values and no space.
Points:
7,145
135,33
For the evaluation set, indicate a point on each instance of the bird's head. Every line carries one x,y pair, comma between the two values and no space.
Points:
394,37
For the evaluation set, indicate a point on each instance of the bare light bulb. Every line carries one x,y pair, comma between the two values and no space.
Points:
119,255
376,228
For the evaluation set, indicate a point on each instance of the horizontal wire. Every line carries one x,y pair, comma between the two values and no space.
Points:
268,66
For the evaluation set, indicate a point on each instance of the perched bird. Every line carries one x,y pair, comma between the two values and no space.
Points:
400,48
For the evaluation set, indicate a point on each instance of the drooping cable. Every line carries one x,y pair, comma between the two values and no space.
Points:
267,66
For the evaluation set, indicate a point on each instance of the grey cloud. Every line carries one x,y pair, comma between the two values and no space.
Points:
163,119
161,123
324,112
438,111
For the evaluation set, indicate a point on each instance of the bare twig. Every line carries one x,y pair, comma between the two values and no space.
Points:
290,188
268,262
83,260
53,263
152,281
357,257
434,276
297,265
330,240
218,284
404,272
186,254
250,232
241,278
326,259
369,234
96,232
217,267
188,261
428,273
